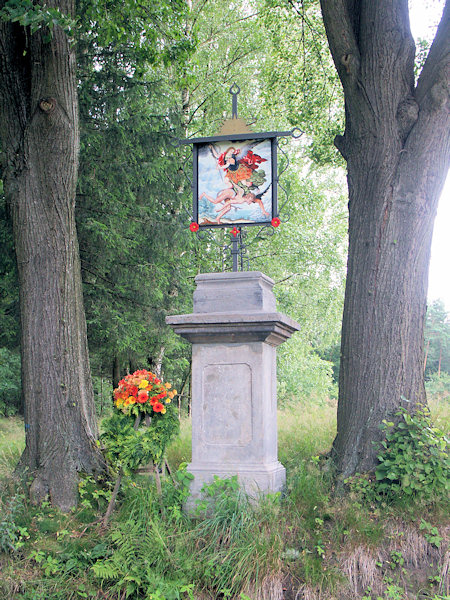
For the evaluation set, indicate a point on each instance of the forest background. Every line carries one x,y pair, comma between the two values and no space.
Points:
138,258
138,94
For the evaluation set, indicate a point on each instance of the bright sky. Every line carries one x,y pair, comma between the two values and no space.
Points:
424,16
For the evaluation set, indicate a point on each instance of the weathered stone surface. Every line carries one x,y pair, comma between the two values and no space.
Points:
234,330
240,293
273,328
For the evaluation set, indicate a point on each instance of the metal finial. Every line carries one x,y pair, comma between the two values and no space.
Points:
234,91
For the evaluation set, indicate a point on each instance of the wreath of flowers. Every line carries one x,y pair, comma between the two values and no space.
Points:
143,392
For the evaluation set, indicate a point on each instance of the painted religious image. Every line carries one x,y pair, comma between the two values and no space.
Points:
235,182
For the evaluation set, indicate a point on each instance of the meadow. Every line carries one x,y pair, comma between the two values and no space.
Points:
315,542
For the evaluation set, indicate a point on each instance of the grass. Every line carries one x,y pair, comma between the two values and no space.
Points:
12,443
305,430
309,544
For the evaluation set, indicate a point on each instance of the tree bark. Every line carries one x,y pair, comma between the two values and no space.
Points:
116,372
40,137
396,144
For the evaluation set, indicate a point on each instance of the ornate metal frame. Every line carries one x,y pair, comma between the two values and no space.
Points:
236,131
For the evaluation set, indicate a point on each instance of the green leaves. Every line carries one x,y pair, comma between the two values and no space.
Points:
128,448
415,459
36,17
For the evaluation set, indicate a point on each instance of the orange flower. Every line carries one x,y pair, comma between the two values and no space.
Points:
142,397
158,407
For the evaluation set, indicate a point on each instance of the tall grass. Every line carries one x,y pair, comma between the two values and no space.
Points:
12,443
308,543
305,430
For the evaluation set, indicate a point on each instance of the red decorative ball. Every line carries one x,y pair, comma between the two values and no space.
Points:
194,227
276,222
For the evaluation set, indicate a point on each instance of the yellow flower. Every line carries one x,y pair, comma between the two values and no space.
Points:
143,384
169,400
168,385
163,412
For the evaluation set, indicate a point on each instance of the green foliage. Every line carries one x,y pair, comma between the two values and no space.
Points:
302,374
102,394
431,533
438,385
127,448
9,289
309,96
240,542
12,535
148,73
145,544
94,493
131,242
10,383
149,32
414,461
154,549
37,16
437,340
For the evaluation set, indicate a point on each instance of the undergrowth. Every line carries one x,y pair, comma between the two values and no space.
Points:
309,543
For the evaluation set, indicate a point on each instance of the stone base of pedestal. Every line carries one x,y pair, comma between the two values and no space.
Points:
235,331
255,480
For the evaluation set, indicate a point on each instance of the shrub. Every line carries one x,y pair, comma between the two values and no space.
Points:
414,460
11,533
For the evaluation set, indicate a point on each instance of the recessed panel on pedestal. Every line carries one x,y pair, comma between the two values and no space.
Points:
235,331
227,404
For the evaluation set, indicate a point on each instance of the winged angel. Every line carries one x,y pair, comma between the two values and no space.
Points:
242,180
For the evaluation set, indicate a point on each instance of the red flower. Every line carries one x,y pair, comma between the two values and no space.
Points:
142,397
276,222
194,227
158,407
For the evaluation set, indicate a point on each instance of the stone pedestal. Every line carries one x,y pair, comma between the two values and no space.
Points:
234,331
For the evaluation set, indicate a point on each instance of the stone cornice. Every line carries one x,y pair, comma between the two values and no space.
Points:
273,328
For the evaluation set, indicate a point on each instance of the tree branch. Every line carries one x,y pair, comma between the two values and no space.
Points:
434,78
342,40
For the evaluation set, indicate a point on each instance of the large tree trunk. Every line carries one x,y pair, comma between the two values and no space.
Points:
396,144
40,136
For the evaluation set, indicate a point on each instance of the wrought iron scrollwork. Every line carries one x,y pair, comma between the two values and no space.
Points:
241,236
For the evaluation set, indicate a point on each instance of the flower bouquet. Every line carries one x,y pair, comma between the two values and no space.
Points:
143,392
140,429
